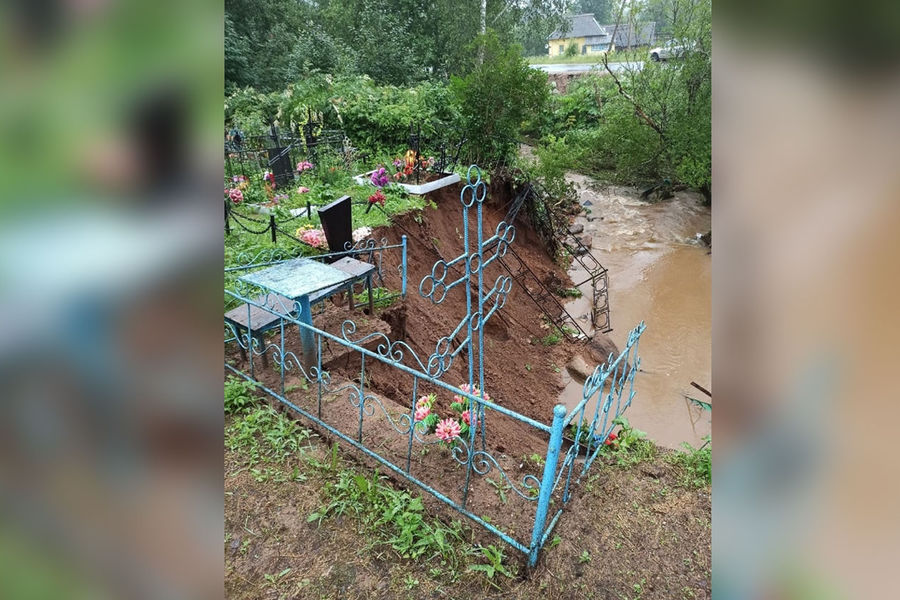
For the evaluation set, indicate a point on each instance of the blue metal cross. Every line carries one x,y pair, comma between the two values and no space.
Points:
476,256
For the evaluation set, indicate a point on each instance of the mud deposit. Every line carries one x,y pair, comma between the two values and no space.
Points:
659,273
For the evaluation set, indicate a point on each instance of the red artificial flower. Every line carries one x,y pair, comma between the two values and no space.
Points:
377,198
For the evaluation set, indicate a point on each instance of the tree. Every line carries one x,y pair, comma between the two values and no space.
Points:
496,96
601,9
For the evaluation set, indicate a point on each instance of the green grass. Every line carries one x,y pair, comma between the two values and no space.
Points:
381,297
572,292
391,517
552,338
696,464
632,445
259,432
622,56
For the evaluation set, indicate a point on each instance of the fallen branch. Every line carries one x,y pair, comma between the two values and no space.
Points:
646,118
701,388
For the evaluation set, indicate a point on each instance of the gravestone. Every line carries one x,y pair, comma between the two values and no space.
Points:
280,163
337,223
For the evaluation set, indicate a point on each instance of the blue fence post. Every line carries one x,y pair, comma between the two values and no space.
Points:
540,519
403,272
306,336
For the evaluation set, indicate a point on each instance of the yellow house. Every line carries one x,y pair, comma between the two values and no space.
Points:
582,31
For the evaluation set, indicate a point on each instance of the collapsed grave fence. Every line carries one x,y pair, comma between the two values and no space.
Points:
452,466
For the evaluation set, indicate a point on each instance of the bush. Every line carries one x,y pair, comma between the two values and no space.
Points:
494,99
571,50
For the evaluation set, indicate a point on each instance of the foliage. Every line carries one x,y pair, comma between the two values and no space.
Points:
572,292
494,565
264,434
238,395
552,338
632,445
495,97
571,50
381,297
394,517
696,464
657,126
270,43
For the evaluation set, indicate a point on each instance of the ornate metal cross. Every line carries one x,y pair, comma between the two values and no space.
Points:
476,256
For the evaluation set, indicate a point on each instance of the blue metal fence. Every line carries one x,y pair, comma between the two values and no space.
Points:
388,432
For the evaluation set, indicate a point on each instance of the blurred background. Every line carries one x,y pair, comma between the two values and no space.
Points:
110,272
806,175
110,277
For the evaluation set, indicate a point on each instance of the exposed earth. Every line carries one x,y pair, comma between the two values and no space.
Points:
644,534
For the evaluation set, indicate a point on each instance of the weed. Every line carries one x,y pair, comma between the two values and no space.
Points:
527,367
272,579
555,541
639,588
500,486
303,385
585,557
238,395
410,582
696,464
381,297
535,459
631,445
265,434
395,517
495,563
572,292
552,338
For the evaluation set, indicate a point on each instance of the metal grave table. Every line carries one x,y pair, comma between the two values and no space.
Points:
297,279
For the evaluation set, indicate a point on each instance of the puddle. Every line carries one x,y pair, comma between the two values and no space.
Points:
658,272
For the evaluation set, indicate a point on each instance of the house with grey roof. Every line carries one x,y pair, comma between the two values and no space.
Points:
589,37
632,35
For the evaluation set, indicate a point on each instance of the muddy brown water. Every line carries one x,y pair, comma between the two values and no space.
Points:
658,273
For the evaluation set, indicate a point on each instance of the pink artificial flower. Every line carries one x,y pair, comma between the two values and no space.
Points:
422,412
448,430
302,190
424,401
465,417
236,195
314,237
304,165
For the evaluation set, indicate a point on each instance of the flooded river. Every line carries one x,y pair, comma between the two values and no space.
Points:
658,273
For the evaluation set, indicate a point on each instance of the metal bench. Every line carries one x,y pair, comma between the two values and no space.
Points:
259,320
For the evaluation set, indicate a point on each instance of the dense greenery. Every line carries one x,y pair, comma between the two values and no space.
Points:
272,43
644,125
639,125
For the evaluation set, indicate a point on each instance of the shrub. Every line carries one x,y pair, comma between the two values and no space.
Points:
495,97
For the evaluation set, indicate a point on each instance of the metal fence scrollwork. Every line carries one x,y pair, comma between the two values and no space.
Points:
345,405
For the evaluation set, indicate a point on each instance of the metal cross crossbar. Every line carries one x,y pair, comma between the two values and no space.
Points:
473,261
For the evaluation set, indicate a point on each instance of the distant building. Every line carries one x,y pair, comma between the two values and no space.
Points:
589,37
630,35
